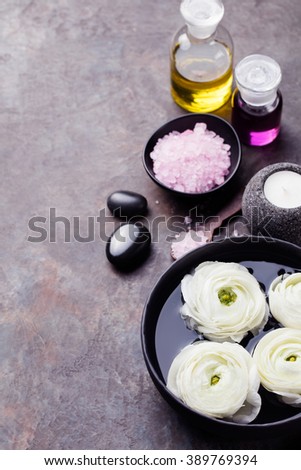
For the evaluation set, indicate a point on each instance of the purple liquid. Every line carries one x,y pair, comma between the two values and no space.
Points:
256,126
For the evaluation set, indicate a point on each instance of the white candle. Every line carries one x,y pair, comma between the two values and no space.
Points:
283,189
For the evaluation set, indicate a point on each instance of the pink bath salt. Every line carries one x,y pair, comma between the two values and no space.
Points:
193,161
188,241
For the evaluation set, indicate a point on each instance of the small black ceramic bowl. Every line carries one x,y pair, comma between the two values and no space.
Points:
188,121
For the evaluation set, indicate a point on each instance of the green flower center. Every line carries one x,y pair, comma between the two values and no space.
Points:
227,296
215,379
291,358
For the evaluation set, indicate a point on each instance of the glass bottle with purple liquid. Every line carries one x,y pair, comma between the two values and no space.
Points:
257,102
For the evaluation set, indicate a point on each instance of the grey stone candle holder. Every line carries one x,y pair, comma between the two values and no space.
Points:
263,217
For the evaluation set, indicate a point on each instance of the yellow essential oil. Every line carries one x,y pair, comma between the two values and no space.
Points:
192,85
201,58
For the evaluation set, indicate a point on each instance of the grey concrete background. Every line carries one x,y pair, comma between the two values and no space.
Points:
83,84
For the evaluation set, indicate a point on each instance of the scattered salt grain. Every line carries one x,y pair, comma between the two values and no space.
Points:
193,161
188,241
187,220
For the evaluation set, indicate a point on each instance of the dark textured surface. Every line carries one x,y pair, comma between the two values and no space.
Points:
83,86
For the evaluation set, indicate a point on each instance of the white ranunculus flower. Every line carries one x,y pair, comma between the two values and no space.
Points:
278,359
218,380
285,300
223,301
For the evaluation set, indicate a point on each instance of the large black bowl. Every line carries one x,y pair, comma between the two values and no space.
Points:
164,334
188,121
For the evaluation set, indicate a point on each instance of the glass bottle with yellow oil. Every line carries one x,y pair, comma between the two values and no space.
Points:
201,58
